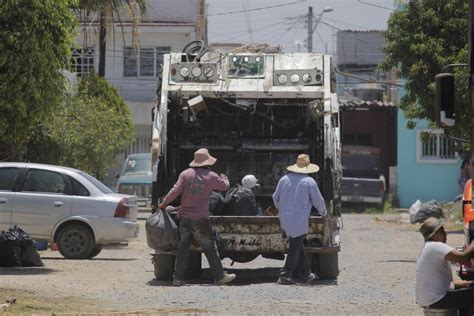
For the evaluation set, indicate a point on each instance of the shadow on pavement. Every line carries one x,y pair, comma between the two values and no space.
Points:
400,260
244,277
26,271
93,259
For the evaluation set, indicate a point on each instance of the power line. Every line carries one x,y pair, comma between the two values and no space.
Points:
375,5
257,9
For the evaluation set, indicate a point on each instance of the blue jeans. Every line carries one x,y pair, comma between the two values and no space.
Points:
297,263
201,231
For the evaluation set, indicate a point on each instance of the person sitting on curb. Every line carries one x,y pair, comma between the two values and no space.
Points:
294,196
194,185
435,287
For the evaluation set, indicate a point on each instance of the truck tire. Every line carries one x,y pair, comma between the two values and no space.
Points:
194,266
326,265
75,241
163,266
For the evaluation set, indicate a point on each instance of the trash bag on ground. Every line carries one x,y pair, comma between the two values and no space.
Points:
161,231
419,211
17,249
240,201
10,250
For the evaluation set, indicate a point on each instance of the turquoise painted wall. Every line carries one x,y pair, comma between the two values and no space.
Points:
422,180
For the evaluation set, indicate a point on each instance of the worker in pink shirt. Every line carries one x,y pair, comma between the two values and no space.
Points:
195,185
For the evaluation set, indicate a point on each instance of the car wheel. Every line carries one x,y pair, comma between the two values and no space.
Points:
95,251
75,242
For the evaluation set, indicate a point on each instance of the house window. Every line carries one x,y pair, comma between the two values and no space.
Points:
83,60
143,62
437,149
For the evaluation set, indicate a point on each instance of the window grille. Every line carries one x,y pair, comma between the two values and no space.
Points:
437,149
143,62
83,60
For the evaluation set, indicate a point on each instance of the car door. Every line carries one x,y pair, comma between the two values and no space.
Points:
41,202
8,178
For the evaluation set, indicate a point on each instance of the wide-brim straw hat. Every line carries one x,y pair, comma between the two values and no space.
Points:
430,226
202,158
303,165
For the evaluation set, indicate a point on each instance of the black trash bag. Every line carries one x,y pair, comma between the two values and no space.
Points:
29,254
161,231
216,203
10,250
240,201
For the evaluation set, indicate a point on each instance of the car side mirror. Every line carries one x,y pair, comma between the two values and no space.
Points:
444,101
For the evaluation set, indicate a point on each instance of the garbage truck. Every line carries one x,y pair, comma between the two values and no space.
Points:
255,111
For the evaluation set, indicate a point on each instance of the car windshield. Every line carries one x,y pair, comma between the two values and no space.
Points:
99,185
137,165
361,165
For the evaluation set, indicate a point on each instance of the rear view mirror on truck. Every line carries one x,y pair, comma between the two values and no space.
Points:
444,102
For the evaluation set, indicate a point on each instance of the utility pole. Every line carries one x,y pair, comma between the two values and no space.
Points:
202,25
311,26
310,29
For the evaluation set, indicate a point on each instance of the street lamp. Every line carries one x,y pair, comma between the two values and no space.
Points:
312,25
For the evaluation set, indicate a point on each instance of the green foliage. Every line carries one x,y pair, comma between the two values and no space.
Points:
35,41
420,42
92,128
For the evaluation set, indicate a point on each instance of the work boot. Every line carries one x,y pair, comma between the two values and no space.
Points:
177,282
226,278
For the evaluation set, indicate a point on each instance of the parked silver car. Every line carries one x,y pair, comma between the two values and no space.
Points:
67,206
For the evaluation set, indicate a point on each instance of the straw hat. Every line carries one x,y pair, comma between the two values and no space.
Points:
303,165
430,226
202,158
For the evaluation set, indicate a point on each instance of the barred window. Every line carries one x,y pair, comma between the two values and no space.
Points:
143,62
83,60
437,149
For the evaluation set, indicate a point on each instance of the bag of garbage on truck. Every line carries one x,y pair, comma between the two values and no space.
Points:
420,211
161,231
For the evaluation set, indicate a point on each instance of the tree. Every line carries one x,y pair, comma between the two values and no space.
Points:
89,130
35,43
420,42
108,10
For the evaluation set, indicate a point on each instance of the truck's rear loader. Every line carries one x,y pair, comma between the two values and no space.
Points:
255,112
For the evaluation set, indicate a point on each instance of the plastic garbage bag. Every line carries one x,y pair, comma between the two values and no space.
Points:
420,211
161,231
10,250
17,249
240,201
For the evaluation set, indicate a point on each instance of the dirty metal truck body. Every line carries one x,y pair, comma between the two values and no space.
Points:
255,112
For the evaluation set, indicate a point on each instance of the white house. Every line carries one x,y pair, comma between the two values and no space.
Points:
133,69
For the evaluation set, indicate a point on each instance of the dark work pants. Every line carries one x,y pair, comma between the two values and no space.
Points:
201,231
461,299
297,263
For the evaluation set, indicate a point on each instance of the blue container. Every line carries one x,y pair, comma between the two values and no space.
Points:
41,245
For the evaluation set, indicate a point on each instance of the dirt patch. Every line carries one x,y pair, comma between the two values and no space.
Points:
377,263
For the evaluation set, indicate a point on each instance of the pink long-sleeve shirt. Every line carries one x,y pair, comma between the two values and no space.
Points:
195,186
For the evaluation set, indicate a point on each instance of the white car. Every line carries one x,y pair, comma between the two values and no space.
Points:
67,206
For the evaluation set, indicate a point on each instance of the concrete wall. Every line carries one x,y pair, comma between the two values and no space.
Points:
423,181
